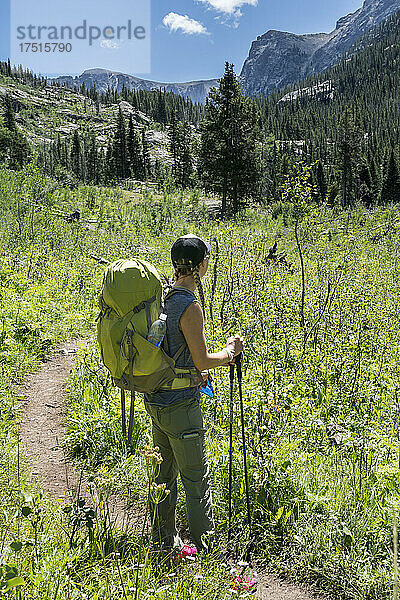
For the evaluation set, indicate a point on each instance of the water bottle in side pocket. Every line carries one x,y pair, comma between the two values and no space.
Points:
157,330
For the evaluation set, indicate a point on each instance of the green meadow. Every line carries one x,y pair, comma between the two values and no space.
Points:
320,381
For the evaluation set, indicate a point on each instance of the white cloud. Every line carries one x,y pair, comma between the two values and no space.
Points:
175,22
229,7
111,44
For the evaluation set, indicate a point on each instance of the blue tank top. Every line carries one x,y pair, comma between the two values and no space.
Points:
175,306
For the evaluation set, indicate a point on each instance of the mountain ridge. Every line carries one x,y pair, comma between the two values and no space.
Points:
196,91
277,59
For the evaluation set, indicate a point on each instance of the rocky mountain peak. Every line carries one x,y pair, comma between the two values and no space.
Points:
279,58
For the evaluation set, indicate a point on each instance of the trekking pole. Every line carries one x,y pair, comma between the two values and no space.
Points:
231,381
101,261
238,362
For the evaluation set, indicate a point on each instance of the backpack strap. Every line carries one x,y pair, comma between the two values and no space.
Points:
145,305
179,351
168,295
148,315
190,373
184,378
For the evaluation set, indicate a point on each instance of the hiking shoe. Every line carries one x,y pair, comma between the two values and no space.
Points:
186,553
247,583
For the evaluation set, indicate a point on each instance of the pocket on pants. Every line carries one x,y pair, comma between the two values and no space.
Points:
194,415
194,449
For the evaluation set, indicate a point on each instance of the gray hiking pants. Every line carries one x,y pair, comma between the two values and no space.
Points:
178,430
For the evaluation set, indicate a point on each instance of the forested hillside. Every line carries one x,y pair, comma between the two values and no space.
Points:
83,135
348,119
344,123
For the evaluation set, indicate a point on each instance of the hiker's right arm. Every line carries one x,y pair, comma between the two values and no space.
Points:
192,326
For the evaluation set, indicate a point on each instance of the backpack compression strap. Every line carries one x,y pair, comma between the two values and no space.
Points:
143,305
106,310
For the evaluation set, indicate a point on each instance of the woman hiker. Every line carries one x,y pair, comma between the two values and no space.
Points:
178,425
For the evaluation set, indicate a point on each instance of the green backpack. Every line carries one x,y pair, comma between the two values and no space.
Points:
130,301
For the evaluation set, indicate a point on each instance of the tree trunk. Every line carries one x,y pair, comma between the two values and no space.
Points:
223,207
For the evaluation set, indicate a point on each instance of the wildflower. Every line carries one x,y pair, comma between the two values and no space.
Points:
153,460
151,453
158,492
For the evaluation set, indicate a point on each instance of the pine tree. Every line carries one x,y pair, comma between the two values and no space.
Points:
230,146
109,167
9,115
391,181
180,146
119,148
92,160
185,166
375,185
134,151
75,156
146,157
366,191
348,157
160,111
14,147
320,182
173,143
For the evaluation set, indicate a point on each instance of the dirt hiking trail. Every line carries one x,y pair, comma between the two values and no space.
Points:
42,434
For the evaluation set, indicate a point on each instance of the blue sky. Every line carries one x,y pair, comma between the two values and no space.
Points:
190,39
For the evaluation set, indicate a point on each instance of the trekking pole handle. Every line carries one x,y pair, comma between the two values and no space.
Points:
238,362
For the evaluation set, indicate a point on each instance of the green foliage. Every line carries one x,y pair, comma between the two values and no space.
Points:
119,151
391,181
181,149
230,145
48,290
14,148
348,156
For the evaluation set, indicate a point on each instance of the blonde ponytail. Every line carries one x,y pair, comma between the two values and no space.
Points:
197,280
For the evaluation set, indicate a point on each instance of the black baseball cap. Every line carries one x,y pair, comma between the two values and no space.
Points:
190,250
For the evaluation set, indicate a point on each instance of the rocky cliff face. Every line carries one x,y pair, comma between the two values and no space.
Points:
279,58
196,91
